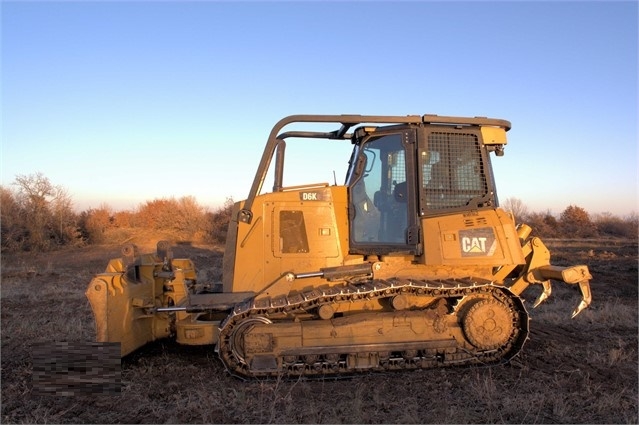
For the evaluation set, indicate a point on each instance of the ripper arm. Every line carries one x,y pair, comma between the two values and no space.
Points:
538,270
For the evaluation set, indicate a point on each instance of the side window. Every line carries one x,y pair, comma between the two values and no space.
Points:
379,195
293,238
453,173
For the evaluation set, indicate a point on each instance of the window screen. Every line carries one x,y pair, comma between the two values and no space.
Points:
453,173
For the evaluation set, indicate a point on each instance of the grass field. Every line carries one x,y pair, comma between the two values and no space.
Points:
583,370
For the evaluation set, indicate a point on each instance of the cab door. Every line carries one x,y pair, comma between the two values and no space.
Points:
382,195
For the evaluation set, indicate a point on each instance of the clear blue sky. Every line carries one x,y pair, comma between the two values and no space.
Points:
122,102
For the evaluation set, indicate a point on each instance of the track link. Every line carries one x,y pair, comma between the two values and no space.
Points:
333,362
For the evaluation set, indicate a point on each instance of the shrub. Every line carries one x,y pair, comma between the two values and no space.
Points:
544,224
219,221
12,227
611,225
575,222
95,222
184,217
123,219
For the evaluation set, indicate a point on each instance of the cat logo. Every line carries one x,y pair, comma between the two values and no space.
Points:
477,242
474,245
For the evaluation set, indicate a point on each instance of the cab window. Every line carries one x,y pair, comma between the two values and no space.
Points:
379,194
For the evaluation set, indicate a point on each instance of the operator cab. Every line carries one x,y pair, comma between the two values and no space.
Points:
399,174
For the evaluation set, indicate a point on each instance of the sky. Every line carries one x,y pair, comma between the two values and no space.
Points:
125,102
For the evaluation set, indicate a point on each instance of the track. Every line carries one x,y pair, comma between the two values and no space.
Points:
469,302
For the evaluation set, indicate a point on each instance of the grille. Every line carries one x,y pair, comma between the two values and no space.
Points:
475,222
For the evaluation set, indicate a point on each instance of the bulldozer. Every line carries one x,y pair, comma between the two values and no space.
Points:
410,264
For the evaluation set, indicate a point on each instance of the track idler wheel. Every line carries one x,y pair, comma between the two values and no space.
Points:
236,340
488,324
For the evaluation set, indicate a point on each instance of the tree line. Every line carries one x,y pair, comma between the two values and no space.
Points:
37,215
574,222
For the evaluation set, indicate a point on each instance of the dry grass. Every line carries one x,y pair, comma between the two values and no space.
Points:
571,371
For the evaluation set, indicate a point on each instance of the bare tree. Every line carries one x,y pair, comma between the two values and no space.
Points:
517,208
48,211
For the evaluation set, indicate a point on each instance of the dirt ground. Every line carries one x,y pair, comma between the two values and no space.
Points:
582,370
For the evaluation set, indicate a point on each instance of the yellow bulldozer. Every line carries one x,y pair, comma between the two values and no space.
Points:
409,264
